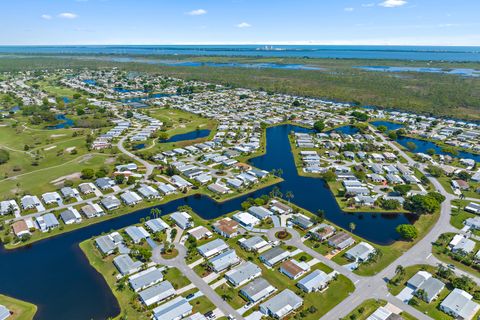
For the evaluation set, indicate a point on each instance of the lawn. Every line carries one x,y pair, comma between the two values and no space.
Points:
21,310
176,278
365,309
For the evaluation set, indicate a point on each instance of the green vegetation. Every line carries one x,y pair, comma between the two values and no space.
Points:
462,260
407,231
439,94
399,281
367,307
21,310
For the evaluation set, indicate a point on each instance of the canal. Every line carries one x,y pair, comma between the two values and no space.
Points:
55,275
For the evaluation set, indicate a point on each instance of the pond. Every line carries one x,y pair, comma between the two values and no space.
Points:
423,145
192,135
66,122
54,274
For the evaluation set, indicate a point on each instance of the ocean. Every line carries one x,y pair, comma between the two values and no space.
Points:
415,53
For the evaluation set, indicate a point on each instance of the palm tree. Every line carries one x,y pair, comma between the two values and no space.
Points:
400,269
321,215
289,195
352,226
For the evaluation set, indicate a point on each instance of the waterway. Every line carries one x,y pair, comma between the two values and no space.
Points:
55,275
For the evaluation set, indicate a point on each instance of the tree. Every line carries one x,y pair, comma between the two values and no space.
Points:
400,270
162,136
435,171
155,212
450,149
411,146
464,283
444,272
360,116
392,135
321,215
421,204
402,189
329,176
319,126
464,175
130,180
289,195
129,114
4,156
431,152
119,179
382,129
352,226
407,231
389,204
87,173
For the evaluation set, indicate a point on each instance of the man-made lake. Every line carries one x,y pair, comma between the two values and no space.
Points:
423,145
55,275
192,135
67,123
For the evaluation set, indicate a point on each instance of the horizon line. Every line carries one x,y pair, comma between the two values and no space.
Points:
243,44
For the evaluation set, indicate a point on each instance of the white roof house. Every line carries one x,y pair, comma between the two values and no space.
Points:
182,219
314,281
156,293
243,273
145,278
459,304
212,248
361,252
137,234
174,309
246,219
282,304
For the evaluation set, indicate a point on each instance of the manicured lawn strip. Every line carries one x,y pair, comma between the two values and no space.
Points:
202,305
21,310
176,278
231,295
365,309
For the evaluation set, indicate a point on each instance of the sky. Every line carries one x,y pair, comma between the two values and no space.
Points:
336,22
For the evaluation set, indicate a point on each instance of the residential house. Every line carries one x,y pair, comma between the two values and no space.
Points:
314,281
182,219
156,293
274,256
224,260
282,304
125,264
71,216
341,240
243,273
145,278
47,222
137,234
257,290
459,305
361,252
212,248
294,269
174,309
254,243
226,227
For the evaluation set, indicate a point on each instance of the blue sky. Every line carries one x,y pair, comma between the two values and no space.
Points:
396,22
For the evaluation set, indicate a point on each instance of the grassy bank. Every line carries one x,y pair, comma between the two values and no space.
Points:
21,310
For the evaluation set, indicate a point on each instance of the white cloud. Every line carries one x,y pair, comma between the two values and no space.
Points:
46,16
67,15
392,3
197,12
244,25
368,5
350,9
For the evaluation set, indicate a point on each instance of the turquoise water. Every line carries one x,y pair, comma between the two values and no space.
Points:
425,53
